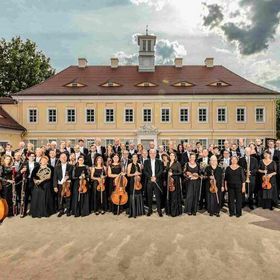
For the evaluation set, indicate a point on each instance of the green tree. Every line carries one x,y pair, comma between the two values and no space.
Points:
22,65
278,118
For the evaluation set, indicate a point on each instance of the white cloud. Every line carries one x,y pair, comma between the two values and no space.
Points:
157,4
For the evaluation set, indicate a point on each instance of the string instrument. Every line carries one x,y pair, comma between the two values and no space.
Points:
266,185
66,187
213,184
171,182
101,183
83,183
119,195
4,209
137,182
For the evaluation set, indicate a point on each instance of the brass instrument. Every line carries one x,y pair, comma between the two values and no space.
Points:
43,174
248,171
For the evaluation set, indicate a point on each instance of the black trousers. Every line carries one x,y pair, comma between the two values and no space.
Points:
28,193
203,195
63,202
153,188
250,190
235,200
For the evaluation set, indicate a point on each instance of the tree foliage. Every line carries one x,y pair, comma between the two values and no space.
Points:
22,65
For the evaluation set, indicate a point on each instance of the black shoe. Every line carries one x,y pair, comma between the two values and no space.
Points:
130,216
238,216
96,213
149,214
68,214
189,213
102,212
251,207
59,214
217,214
160,214
194,214
211,214
231,215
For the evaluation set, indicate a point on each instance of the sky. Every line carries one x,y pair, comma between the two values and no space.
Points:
242,35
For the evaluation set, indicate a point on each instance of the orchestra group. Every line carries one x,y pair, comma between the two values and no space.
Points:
126,178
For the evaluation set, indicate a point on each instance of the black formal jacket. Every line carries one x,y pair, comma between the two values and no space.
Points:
148,169
57,176
254,165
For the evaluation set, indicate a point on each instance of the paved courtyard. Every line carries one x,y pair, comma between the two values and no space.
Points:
110,247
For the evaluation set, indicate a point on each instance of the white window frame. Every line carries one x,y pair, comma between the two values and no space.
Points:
161,110
28,115
107,140
33,139
264,113
207,113
86,121
48,115
225,121
66,115
245,115
105,118
184,108
124,115
206,142
143,115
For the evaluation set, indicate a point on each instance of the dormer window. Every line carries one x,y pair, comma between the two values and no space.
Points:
146,84
219,84
183,84
110,84
75,85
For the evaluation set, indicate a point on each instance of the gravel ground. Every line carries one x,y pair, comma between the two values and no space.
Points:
111,247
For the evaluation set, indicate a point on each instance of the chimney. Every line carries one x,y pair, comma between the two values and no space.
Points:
209,62
82,62
178,62
114,62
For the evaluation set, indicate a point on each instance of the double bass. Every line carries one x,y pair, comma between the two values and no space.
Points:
119,195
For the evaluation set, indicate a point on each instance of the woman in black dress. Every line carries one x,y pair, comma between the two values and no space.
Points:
7,180
42,198
80,201
214,172
114,170
180,151
235,185
165,163
192,184
136,204
268,166
98,173
174,194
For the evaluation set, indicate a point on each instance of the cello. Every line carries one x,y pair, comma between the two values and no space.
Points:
119,195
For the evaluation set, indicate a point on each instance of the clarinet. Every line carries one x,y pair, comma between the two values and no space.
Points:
14,198
22,196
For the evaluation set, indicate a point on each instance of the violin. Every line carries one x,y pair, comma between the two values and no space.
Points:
101,183
137,183
213,184
83,183
119,195
171,183
266,185
66,189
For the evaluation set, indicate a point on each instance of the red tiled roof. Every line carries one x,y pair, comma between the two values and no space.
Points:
6,121
128,76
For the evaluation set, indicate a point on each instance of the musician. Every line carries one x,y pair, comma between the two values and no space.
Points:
68,147
153,172
72,159
83,149
78,152
136,204
192,185
99,148
90,158
241,147
235,185
186,154
161,151
140,148
117,146
39,153
226,147
125,160
259,147
203,162
42,199
171,148
8,151
165,165
6,183
180,150
99,197
152,146
109,153
250,166
30,149
18,163
268,167
225,160
80,201
62,149
214,173
114,170
62,173
234,151
30,168
52,158
21,149
173,205
131,150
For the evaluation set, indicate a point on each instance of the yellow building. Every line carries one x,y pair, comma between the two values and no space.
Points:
145,102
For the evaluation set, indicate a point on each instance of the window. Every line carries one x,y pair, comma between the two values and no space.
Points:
90,116
71,115
89,142
203,142
165,115
220,143
52,115
147,115
221,115
144,45
149,45
259,114
164,143
34,142
33,115
240,114
109,142
51,140
202,115
184,114
128,116
109,115
182,141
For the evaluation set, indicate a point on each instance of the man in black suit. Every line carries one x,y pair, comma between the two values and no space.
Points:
117,147
68,147
8,150
153,170
253,169
53,160
62,173
90,158
83,149
99,148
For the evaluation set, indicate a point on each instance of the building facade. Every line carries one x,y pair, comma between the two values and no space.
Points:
145,102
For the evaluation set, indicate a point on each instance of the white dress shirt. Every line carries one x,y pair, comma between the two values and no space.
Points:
63,167
153,165
31,167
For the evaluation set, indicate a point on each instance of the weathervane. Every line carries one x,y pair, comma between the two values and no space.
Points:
146,29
